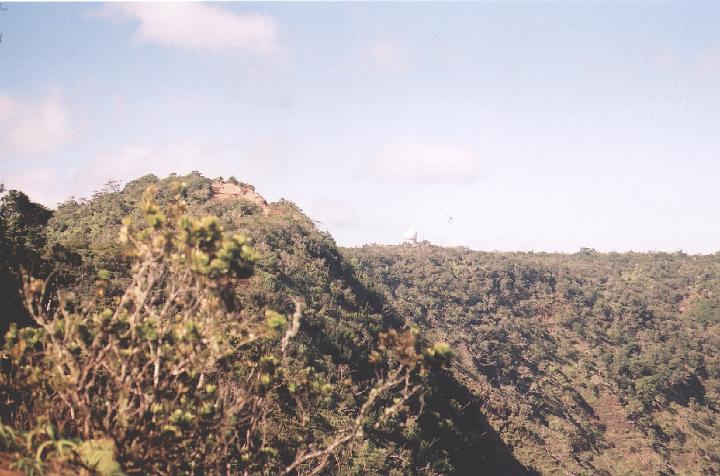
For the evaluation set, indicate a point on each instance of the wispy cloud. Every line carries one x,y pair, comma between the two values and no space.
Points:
41,184
199,26
426,162
705,62
709,61
331,213
387,55
34,127
250,162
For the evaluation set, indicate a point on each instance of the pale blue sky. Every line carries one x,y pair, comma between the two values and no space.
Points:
535,126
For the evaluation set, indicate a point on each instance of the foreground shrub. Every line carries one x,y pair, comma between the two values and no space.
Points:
173,376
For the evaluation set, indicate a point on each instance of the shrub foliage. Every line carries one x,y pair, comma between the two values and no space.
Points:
174,375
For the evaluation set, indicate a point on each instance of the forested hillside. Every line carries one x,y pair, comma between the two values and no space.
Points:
347,389
588,363
301,358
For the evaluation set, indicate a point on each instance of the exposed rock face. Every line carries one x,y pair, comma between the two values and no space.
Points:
226,190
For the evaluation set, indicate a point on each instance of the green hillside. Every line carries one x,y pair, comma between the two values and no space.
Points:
438,429
588,363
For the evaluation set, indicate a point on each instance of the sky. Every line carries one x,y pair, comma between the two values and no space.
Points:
496,126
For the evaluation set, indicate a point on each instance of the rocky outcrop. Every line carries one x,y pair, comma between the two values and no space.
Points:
231,190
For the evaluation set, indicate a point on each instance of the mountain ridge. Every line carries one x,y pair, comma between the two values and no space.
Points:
560,362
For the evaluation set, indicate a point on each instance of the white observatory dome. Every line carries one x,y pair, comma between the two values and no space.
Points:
411,236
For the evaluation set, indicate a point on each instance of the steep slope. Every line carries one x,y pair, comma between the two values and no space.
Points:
584,364
564,364
341,320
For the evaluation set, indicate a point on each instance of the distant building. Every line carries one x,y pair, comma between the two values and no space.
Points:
410,237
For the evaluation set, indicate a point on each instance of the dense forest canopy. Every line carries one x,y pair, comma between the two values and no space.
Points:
338,360
588,363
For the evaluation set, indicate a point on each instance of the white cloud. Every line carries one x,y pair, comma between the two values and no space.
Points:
34,128
426,162
387,55
259,161
251,162
41,184
199,26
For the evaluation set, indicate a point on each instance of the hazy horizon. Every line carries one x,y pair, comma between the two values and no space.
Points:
495,126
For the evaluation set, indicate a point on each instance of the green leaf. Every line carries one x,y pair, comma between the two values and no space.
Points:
275,320
99,455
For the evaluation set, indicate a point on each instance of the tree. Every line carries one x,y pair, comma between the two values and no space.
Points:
21,229
22,238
